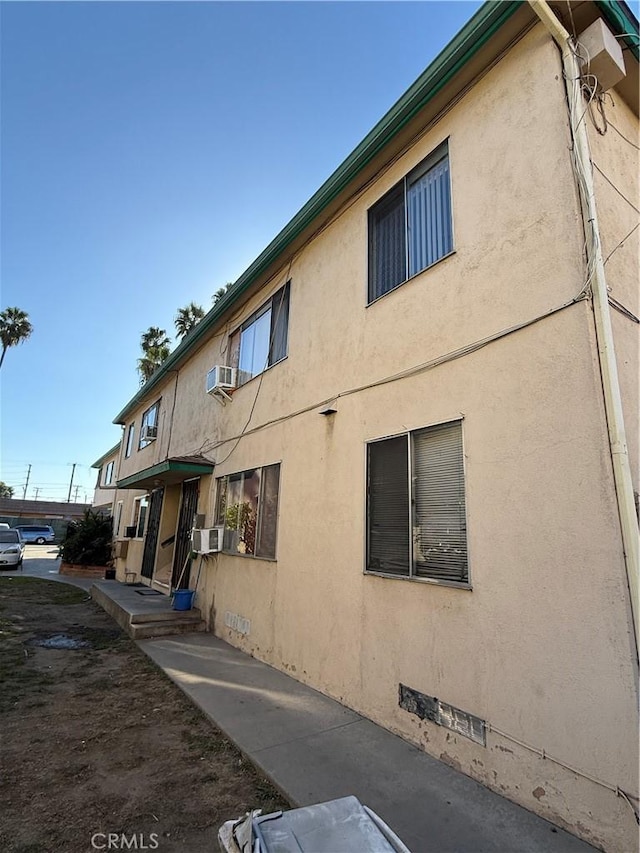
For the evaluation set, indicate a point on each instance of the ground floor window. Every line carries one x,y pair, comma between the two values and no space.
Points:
247,506
116,519
416,514
140,509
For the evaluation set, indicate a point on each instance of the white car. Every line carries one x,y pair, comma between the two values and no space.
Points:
11,549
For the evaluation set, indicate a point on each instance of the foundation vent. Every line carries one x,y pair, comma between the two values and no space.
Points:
237,623
433,709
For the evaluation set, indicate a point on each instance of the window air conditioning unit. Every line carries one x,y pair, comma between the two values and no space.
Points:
221,378
208,540
149,433
130,532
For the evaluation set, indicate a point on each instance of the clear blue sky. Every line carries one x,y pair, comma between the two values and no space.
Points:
150,151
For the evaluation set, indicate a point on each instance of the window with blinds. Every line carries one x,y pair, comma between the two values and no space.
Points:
410,228
262,339
416,514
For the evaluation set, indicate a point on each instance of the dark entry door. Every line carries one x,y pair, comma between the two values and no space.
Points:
151,539
188,508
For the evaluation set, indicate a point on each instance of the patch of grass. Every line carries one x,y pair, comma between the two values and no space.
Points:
205,744
100,638
38,591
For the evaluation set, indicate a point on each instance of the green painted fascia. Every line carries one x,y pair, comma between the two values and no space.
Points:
99,462
476,32
471,38
163,468
622,19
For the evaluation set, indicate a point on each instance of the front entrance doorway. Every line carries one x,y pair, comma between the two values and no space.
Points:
181,556
151,539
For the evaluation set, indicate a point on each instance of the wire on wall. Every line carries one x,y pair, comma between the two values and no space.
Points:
542,753
412,371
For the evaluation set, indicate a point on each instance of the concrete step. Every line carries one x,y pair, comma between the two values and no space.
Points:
163,628
144,616
192,615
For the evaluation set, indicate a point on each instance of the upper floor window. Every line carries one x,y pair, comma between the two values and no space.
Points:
149,426
262,340
410,228
247,506
416,518
108,474
130,435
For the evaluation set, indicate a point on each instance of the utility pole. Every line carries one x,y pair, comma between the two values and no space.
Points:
24,493
73,469
75,494
36,490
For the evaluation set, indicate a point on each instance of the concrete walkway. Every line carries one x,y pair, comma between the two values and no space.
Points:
315,749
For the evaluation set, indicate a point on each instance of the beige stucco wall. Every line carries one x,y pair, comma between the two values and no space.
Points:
620,162
541,647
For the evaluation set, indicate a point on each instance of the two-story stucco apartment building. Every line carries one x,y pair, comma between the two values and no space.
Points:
422,473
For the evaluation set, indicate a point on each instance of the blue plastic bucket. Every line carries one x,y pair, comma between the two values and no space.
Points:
183,599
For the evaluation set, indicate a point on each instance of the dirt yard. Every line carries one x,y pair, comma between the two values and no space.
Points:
96,740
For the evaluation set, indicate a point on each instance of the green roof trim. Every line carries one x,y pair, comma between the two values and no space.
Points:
99,461
169,466
471,38
476,32
622,19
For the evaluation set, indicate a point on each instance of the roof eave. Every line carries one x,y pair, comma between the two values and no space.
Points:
460,50
476,32
106,455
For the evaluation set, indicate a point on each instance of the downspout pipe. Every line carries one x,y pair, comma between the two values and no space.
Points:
602,316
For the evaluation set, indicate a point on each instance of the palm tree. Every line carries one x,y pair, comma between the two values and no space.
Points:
155,345
15,328
220,292
153,338
187,318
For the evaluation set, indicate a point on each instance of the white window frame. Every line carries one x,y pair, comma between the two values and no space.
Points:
139,504
117,519
108,473
130,439
149,419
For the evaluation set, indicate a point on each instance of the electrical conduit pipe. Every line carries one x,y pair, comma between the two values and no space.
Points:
602,316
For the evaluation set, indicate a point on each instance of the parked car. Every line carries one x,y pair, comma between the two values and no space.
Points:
41,534
11,548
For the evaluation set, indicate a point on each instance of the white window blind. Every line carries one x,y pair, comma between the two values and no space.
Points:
439,524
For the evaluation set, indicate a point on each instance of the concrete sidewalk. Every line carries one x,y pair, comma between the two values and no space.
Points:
315,749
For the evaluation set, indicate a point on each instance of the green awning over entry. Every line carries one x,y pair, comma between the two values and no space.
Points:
168,473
